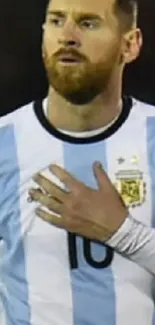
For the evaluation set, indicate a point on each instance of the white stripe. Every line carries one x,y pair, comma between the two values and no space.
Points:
133,285
45,246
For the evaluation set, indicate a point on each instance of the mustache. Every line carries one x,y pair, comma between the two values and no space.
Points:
69,51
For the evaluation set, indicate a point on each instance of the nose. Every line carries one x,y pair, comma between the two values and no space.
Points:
70,36
69,43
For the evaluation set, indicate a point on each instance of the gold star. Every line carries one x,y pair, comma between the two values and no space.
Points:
135,160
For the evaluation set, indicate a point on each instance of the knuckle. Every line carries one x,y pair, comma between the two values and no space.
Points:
52,205
80,191
37,195
74,204
49,206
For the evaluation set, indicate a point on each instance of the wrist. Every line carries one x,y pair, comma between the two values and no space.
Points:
122,233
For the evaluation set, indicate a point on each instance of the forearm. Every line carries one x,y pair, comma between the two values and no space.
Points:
136,242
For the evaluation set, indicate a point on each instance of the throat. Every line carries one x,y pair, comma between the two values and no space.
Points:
81,121
100,113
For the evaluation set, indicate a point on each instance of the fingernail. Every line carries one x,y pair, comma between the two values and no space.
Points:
29,199
30,196
31,191
35,177
52,166
37,210
98,164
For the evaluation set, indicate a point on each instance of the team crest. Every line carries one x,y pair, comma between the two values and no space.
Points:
131,186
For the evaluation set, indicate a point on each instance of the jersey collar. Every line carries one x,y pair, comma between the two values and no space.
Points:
39,112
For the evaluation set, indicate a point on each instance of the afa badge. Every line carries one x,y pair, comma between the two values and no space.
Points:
131,186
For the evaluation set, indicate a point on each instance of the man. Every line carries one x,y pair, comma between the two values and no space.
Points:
52,276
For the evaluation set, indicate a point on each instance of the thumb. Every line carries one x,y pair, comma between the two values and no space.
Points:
101,176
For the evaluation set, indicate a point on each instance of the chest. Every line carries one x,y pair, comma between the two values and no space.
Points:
129,163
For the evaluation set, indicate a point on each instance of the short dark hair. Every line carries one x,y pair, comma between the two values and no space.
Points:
127,11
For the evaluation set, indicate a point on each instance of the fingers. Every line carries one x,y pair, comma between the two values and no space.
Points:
50,187
105,183
51,218
101,177
45,200
64,177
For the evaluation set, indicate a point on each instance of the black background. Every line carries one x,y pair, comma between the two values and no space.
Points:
22,76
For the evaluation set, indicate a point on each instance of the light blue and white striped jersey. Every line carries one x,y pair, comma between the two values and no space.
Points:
50,277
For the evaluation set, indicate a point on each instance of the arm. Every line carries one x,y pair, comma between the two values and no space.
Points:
136,242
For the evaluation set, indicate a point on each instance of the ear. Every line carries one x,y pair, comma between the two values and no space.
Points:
43,27
43,46
43,51
132,44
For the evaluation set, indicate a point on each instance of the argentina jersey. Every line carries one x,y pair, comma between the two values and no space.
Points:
49,276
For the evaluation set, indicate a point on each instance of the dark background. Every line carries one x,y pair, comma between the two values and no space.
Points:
22,76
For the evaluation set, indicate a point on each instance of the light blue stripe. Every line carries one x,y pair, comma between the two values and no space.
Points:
151,162
153,322
15,295
93,289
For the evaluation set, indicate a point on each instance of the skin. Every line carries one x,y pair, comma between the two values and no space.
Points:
104,47
78,206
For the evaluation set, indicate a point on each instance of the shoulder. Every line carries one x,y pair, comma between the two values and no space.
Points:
142,108
16,117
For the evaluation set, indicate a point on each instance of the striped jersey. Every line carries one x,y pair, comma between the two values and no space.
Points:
49,276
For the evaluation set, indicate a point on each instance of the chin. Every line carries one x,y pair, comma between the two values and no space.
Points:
78,97
80,92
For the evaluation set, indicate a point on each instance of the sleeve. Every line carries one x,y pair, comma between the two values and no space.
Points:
136,242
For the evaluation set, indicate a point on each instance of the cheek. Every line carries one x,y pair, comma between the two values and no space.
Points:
49,44
102,49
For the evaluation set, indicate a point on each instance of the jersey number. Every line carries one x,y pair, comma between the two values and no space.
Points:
87,254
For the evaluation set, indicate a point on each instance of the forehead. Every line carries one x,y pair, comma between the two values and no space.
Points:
94,6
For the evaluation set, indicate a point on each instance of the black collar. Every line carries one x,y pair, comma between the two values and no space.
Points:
38,109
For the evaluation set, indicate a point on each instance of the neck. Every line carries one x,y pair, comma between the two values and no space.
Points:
96,114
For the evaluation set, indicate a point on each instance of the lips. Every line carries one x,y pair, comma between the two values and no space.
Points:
68,58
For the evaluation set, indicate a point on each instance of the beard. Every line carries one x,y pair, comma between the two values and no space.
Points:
79,83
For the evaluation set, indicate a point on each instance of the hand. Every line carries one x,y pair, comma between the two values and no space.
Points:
95,214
